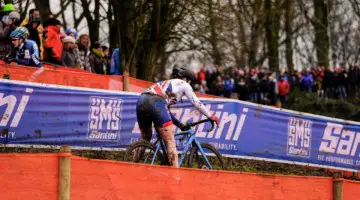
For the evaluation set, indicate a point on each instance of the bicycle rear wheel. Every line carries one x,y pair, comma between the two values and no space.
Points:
143,152
196,160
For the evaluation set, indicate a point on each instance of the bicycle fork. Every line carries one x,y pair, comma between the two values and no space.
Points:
197,143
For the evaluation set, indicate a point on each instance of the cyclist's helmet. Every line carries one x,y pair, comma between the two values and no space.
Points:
182,72
20,32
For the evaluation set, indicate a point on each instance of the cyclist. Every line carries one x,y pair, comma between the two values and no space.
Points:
153,107
24,51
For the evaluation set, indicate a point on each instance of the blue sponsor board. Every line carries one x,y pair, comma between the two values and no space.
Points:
36,114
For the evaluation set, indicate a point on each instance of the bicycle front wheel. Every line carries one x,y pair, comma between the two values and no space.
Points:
196,160
143,152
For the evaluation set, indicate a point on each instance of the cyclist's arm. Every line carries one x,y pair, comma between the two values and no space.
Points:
195,101
27,61
23,61
175,120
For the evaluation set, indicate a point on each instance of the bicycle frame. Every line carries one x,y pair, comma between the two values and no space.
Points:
190,140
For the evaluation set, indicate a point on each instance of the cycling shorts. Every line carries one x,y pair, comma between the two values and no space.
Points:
152,109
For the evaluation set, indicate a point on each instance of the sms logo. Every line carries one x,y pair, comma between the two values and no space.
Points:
299,137
104,119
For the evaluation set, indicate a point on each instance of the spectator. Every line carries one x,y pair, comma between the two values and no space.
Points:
71,32
23,52
319,81
218,86
53,45
284,89
70,57
341,83
307,81
115,64
107,59
201,75
96,59
7,25
6,10
263,89
273,89
293,79
328,82
228,86
83,45
353,79
33,24
242,89
253,86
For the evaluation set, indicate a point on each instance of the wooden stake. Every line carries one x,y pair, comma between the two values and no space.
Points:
64,172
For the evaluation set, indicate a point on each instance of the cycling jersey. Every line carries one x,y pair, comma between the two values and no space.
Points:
27,54
173,90
35,47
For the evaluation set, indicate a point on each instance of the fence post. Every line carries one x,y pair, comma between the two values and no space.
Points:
126,80
64,172
338,186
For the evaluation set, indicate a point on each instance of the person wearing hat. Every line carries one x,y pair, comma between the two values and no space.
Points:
52,44
23,52
70,57
72,32
6,9
96,59
7,25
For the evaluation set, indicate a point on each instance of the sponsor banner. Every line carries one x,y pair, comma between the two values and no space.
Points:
38,114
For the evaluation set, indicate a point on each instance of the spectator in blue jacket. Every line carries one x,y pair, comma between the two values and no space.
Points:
307,81
115,63
229,85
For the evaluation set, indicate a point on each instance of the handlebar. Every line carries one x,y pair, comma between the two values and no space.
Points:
203,121
197,123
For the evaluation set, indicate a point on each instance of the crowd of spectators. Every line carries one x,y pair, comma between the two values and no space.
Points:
30,41
259,85
49,44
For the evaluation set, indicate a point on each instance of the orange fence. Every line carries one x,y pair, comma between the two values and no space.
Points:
71,77
35,176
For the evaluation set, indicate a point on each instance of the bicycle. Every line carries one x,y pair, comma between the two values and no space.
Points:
196,152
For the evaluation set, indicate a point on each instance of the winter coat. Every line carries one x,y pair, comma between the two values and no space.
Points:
69,57
96,61
53,46
283,87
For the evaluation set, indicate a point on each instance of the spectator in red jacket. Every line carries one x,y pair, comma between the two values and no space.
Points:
202,74
53,45
284,89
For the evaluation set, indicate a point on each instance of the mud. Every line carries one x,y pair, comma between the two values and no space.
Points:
38,132
4,132
168,136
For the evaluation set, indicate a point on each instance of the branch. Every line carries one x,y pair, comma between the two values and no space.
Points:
63,8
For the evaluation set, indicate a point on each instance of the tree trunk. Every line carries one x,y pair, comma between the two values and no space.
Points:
254,44
151,50
213,35
44,8
272,26
321,42
93,23
288,30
